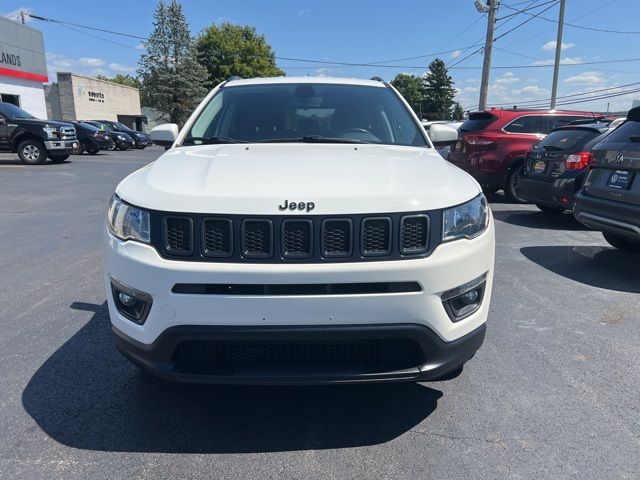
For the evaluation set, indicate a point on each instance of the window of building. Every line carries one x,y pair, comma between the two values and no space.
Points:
8,98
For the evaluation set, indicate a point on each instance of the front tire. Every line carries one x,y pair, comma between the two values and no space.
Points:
93,151
622,243
511,187
58,158
32,152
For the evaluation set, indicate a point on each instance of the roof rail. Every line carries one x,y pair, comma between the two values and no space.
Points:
378,79
234,77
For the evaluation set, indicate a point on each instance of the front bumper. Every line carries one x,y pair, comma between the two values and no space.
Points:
607,215
61,145
557,192
420,313
437,358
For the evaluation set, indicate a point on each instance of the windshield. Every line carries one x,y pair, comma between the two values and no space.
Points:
298,112
9,110
122,126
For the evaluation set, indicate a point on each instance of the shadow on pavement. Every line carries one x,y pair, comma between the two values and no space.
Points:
540,220
600,267
87,396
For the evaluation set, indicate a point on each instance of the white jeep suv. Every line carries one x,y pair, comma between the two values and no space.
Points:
299,230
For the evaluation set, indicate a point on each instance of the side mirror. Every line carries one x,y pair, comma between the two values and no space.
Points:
443,135
164,135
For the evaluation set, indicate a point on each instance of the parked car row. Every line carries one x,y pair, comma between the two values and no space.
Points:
493,144
35,140
560,161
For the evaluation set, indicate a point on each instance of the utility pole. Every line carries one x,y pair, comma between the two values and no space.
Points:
556,66
488,48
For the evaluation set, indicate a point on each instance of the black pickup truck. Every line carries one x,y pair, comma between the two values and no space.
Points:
34,139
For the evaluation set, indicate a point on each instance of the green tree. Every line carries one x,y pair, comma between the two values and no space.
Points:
171,76
458,112
227,50
121,79
412,88
439,92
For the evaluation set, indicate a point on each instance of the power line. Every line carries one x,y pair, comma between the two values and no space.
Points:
593,29
52,20
576,97
532,16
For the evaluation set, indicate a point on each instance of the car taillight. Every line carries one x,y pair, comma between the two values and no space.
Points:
478,141
578,161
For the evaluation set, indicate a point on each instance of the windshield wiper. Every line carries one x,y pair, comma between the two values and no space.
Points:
314,139
212,140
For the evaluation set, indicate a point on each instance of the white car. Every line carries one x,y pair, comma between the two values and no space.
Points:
299,230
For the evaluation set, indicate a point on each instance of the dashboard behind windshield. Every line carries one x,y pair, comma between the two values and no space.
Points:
298,111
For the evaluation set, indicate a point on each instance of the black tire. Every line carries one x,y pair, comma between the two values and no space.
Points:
58,158
622,243
123,147
93,151
79,149
489,190
111,147
510,188
141,147
549,209
32,152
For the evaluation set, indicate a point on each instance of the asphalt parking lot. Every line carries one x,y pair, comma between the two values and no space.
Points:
553,393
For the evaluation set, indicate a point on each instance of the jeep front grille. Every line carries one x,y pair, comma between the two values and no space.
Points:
414,234
364,355
376,236
286,239
178,235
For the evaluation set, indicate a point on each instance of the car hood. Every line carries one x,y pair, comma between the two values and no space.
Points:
43,123
337,178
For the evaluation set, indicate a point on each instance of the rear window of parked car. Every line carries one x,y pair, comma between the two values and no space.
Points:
477,121
623,133
567,139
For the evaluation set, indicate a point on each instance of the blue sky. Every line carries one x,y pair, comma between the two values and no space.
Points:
374,31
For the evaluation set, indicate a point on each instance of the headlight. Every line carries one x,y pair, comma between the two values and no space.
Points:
51,132
120,137
466,220
127,222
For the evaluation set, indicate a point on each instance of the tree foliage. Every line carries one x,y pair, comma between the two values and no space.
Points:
227,50
458,112
128,80
432,95
412,88
172,78
439,91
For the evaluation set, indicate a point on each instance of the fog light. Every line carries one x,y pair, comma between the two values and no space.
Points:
126,300
464,300
130,303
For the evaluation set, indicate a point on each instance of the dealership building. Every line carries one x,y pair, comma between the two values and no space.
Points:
77,97
23,67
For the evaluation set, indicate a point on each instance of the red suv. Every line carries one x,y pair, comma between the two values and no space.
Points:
492,144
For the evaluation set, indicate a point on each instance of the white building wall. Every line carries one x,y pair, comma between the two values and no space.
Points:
31,94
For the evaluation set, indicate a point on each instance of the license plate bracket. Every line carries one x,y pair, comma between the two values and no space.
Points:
620,179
